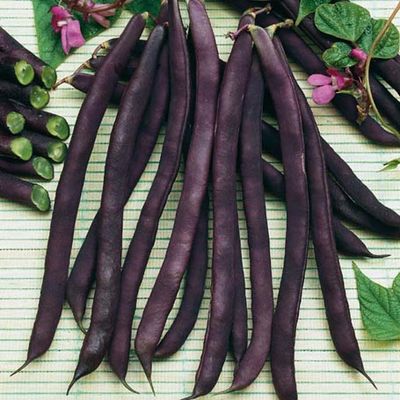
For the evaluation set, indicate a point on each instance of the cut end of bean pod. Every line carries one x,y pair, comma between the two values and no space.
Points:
58,126
40,198
43,168
49,77
24,72
57,151
21,148
39,97
15,122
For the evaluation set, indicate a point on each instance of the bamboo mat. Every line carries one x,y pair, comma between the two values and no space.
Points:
23,237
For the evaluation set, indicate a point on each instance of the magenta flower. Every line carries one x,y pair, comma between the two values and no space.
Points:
327,86
71,35
359,55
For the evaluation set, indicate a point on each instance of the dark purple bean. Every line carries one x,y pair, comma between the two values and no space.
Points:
44,73
83,272
69,192
230,104
22,192
46,146
189,309
239,334
262,303
329,270
32,95
83,82
349,211
44,122
96,63
161,300
346,241
36,167
16,70
296,194
344,176
389,70
11,121
109,232
15,146
146,229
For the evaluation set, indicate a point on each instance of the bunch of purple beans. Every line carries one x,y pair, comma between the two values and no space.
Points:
213,115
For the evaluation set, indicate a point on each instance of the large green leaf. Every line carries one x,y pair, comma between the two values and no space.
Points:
49,42
343,20
380,308
307,7
388,46
338,56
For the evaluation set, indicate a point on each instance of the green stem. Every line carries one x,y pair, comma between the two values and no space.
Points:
367,71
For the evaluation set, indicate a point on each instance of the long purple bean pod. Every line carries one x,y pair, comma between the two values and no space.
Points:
83,272
189,309
296,188
146,229
69,192
230,104
329,270
109,232
177,256
258,238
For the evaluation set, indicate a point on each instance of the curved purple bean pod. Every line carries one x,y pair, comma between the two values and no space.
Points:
330,274
296,188
258,238
230,103
349,211
69,192
83,272
177,256
193,292
109,232
146,229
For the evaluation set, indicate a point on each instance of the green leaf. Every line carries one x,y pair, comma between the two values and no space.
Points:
140,6
343,20
391,165
388,47
49,42
307,7
396,286
338,56
379,306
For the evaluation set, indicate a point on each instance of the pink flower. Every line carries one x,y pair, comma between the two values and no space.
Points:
99,16
327,86
71,35
359,54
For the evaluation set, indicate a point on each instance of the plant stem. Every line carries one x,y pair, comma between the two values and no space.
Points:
367,68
